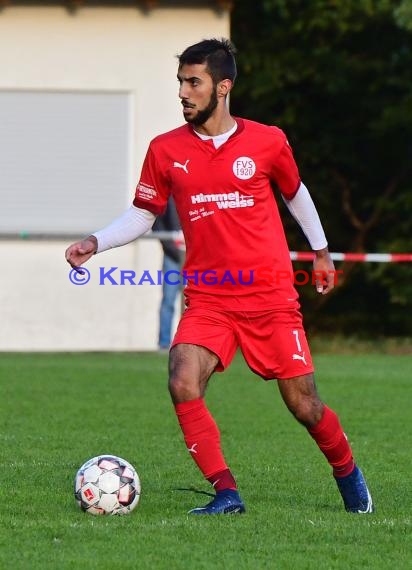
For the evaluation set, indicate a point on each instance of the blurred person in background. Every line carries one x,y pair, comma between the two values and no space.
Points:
173,256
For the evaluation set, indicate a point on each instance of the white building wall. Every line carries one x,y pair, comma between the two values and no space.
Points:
98,49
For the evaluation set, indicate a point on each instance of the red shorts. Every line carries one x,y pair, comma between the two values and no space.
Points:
272,342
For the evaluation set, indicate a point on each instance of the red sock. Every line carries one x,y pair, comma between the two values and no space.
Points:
222,480
333,443
202,438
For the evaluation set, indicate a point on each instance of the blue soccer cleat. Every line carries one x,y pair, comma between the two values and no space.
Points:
226,502
355,492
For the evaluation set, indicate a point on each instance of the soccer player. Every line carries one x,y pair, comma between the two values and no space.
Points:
222,172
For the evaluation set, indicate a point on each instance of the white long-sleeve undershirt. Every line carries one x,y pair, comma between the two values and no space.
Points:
133,223
303,209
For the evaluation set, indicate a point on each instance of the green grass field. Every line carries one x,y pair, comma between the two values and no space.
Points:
57,410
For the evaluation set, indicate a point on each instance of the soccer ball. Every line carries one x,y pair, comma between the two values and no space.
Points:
107,485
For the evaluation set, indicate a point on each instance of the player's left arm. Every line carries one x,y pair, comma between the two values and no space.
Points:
300,204
304,211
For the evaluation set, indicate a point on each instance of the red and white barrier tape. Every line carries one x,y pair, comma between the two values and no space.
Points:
360,257
309,255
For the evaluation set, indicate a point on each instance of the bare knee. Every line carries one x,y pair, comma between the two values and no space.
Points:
182,386
308,411
301,398
190,368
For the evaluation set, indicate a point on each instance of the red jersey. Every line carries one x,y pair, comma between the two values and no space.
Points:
237,256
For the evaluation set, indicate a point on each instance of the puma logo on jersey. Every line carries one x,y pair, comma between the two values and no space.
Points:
182,166
300,357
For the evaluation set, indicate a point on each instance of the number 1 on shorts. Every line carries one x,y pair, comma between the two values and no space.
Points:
296,334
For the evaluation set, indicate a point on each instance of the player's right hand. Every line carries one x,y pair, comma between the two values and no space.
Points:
78,253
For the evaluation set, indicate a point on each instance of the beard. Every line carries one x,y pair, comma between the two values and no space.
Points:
204,114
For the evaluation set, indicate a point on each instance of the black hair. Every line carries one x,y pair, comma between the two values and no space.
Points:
219,56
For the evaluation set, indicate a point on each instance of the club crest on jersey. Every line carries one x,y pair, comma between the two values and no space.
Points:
244,167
